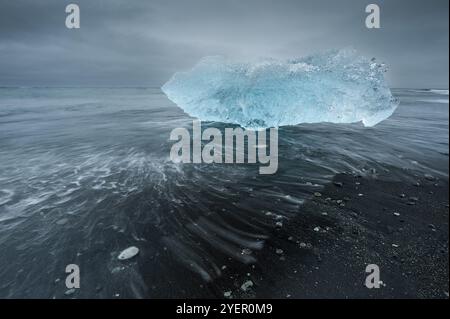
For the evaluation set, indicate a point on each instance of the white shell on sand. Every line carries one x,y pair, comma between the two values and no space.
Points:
128,253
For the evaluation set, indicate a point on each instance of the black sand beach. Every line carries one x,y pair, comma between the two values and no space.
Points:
353,222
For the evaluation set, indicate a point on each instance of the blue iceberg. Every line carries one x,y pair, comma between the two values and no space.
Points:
338,87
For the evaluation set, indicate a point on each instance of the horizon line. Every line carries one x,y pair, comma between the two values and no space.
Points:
156,87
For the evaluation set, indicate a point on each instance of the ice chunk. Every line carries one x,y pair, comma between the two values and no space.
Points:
247,285
337,86
128,253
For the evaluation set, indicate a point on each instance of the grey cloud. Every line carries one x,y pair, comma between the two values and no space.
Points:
143,42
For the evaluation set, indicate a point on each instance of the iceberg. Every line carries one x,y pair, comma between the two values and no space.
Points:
338,86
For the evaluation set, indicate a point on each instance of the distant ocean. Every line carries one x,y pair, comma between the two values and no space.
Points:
85,173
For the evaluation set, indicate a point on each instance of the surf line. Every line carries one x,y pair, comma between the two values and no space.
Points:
225,150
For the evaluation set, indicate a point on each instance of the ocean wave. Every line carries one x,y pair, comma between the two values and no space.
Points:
443,92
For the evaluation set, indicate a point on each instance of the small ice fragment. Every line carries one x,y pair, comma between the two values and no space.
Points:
70,292
246,285
128,253
62,221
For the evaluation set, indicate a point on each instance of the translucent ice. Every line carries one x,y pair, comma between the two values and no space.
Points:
338,86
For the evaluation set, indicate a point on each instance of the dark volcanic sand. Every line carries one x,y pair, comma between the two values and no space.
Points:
359,231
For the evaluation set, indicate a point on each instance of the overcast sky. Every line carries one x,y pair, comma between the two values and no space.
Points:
142,43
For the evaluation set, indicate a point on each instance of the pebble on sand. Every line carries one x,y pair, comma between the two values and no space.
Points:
227,294
128,253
